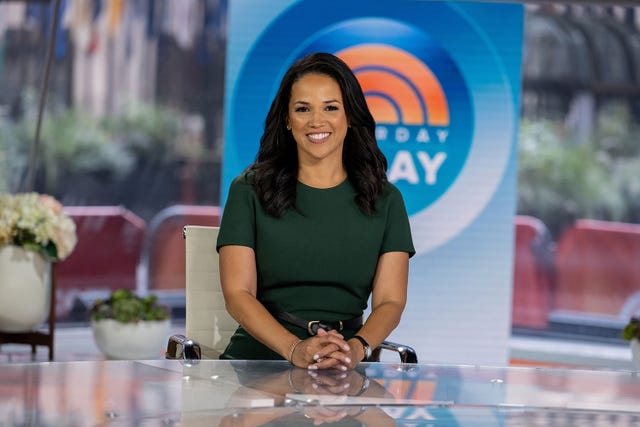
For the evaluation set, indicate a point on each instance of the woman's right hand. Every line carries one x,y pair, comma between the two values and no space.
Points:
326,350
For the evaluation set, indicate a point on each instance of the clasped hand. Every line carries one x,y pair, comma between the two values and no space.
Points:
326,350
331,383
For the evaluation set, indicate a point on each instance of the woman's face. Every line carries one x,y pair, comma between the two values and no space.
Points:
317,119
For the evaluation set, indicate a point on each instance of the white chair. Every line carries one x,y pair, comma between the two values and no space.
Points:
208,324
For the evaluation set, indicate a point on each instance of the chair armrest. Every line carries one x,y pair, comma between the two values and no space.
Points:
183,348
406,353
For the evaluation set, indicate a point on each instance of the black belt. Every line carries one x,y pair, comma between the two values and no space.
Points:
312,326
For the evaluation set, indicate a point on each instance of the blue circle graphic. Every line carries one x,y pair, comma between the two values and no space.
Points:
452,141
275,50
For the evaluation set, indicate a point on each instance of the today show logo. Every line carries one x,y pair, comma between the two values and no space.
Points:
417,97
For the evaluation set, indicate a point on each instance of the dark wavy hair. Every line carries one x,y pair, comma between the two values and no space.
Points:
275,169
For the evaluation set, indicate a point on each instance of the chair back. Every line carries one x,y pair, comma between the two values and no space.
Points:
207,320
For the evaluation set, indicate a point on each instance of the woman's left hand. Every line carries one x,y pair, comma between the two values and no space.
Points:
333,354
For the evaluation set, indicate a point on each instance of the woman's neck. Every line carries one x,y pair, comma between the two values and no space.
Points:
319,177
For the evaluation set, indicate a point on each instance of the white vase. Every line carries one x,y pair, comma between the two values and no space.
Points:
635,353
132,341
25,287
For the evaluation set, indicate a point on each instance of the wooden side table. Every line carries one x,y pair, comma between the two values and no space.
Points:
36,338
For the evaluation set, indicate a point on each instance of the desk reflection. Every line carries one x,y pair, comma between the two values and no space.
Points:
308,398
244,393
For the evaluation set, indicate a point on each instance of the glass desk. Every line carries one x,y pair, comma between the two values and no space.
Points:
222,393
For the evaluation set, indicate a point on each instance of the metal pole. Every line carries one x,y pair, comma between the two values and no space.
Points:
44,87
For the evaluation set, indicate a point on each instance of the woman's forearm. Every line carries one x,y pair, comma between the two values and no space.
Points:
259,323
381,322
388,299
239,286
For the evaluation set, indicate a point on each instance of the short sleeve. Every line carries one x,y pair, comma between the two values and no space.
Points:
397,237
238,224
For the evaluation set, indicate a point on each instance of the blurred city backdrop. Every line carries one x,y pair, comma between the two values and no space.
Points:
132,136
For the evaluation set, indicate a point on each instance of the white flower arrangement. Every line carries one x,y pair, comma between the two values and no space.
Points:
36,222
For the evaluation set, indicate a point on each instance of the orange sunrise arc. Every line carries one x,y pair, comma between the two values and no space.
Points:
398,87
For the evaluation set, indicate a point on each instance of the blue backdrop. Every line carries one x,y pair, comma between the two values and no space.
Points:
442,80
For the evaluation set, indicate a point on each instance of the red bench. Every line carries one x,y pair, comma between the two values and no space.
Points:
532,273
164,258
110,240
598,267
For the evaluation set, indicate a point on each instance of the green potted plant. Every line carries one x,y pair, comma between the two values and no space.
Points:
631,333
128,326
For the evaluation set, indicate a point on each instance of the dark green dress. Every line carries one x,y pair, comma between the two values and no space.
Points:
318,263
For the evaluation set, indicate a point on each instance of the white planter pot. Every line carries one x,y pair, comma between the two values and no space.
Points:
140,340
25,287
635,352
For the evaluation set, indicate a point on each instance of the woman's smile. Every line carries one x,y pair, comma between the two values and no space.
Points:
318,138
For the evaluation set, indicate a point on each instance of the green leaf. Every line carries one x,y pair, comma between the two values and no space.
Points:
632,329
126,307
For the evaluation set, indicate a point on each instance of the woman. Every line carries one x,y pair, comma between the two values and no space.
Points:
312,228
